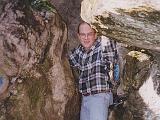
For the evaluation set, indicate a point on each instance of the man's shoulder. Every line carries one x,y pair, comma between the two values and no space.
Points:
105,40
76,50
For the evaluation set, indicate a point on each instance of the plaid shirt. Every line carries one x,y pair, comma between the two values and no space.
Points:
93,66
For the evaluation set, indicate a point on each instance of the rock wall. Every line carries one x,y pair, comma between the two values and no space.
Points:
33,65
70,12
32,59
132,22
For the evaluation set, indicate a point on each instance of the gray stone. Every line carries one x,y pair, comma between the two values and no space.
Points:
70,12
132,22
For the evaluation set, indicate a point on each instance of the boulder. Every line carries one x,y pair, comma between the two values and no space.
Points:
132,22
41,85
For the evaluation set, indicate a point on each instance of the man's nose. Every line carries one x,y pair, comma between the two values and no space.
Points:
86,36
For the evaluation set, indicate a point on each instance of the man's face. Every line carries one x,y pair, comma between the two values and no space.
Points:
87,36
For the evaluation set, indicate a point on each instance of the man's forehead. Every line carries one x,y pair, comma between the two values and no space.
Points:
84,24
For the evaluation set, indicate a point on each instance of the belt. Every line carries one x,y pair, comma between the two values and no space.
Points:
95,92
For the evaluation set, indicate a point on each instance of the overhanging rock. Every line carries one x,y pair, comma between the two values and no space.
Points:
136,23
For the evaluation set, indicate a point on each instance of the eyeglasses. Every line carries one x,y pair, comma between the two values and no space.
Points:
90,34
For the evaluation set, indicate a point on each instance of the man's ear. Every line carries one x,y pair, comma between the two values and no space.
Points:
96,35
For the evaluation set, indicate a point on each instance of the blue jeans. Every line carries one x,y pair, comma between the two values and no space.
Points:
95,107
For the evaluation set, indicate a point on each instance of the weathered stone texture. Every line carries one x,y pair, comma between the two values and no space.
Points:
41,84
136,71
70,12
132,22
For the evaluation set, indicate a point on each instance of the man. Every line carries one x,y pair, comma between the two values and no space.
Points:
94,68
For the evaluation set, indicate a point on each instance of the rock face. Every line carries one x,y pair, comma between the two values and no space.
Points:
70,12
38,81
132,22
135,72
32,59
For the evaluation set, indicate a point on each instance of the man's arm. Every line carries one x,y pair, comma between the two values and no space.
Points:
73,58
109,52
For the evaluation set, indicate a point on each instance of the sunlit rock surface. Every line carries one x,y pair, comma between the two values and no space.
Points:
151,98
32,59
134,22
137,71
134,76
